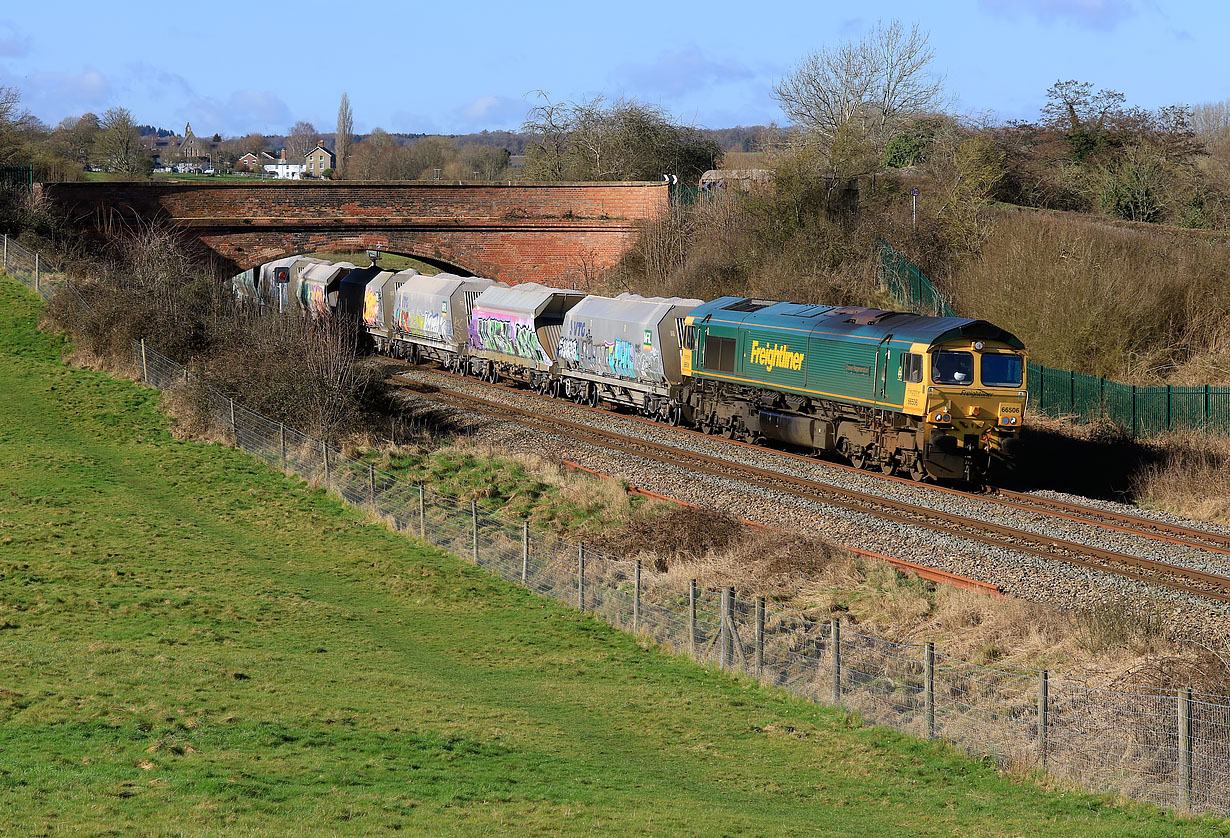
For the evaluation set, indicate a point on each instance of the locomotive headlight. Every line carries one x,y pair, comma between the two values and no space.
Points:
978,345
942,417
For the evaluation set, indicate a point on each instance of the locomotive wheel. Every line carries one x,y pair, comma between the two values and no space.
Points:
857,457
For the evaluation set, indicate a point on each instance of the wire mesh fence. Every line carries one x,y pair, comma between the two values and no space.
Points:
1172,749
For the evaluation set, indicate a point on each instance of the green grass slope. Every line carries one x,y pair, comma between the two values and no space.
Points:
193,644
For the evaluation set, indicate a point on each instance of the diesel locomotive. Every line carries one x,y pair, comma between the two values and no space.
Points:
939,398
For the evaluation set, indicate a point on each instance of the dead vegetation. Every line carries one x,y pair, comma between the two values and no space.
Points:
1120,642
305,372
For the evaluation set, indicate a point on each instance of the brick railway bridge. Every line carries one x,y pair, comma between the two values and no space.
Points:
513,232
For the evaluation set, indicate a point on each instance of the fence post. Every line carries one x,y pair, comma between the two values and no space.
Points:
1185,747
724,646
1133,410
422,515
371,484
1205,423
929,687
525,552
6,252
581,577
835,637
324,448
759,636
636,599
36,272
1044,712
692,617
1169,398
1072,391
234,430
144,367
474,529
282,441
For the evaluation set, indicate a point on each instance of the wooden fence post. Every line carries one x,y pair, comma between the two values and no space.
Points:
474,529
835,637
6,252
525,552
422,515
724,644
282,441
759,636
144,366
692,617
929,687
36,272
581,577
636,598
371,485
1185,747
1044,712
234,430
324,448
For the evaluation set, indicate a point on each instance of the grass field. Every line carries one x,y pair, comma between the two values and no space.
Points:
191,644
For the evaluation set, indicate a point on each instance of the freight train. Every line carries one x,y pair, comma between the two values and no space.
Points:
931,398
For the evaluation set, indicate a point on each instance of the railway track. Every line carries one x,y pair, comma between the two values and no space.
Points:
1150,571
1092,516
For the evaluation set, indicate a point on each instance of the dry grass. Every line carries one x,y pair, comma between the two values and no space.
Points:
1116,642
1139,305
1191,478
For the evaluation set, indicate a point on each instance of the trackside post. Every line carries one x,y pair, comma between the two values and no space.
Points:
835,639
1185,747
1044,712
929,687
759,636
636,598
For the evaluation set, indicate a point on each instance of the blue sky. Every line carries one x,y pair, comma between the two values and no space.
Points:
460,67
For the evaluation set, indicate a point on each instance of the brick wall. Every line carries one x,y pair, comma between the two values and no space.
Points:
520,232
228,199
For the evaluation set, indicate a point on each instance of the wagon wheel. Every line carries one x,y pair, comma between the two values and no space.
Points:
413,353
888,465
857,456
917,471
731,431
591,395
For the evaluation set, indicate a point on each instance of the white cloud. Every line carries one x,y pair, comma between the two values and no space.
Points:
13,44
1094,14
675,72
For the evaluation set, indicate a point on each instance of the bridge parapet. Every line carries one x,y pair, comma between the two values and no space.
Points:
514,232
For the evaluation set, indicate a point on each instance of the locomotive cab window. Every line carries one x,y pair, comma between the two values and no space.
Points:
912,368
720,354
688,334
949,367
1001,369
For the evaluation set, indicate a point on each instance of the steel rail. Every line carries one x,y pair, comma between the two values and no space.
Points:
1135,525
1150,571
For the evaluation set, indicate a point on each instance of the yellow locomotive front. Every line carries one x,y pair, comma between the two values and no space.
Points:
971,394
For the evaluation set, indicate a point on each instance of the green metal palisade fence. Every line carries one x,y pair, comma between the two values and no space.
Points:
20,177
1138,409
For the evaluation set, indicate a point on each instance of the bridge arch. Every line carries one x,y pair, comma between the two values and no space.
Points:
442,259
511,232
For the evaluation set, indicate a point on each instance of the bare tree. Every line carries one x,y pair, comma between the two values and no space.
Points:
301,140
877,82
116,144
1211,121
1074,107
345,128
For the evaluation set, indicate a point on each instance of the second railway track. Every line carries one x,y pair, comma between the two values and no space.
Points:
1150,571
